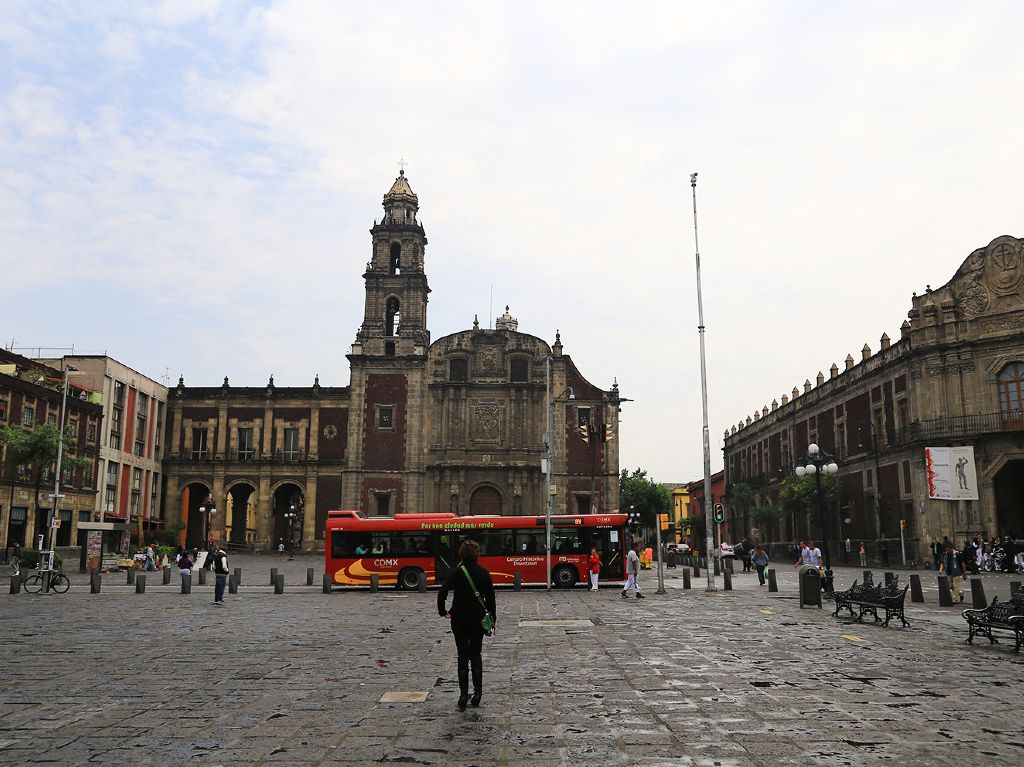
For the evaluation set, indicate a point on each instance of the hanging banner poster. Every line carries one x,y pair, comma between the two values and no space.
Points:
951,473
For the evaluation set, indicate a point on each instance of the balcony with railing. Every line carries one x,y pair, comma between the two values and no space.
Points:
952,427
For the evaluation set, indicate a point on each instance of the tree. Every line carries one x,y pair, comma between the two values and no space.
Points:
798,495
37,448
766,518
647,498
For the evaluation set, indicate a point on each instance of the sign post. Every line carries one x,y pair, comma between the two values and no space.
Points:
903,545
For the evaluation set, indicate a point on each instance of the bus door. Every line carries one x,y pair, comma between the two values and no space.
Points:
444,556
609,546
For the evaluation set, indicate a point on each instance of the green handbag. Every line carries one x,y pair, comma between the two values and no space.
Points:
487,622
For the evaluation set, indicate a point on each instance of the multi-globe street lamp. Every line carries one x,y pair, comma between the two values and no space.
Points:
816,463
292,517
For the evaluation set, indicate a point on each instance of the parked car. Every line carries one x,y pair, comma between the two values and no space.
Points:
726,550
679,548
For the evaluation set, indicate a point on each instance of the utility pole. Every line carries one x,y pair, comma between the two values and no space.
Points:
704,400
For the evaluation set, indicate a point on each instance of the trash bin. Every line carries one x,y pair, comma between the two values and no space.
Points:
810,586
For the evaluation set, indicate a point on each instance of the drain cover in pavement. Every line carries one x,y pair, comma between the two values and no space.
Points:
557,624
397,696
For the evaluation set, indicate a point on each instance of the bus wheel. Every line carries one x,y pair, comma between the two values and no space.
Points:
565,577
409,578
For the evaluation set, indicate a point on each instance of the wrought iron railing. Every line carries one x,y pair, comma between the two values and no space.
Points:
961,426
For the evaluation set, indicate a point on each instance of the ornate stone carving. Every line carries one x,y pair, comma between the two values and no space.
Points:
330,431
1004,270
1000,324
488,361
486,423
974,300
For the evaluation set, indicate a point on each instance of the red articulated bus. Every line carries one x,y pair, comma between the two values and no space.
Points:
398,549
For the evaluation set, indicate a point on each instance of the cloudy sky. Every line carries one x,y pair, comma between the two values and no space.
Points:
188,185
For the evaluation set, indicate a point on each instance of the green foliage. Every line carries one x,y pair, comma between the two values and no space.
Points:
29,559
169,537
38,446
742,498
646,496
765,518
798,494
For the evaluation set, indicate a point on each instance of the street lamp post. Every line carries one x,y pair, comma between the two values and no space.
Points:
818,462
291,516
883,548
208,509
549,442
68,369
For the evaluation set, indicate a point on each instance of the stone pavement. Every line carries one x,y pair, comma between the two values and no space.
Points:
688,678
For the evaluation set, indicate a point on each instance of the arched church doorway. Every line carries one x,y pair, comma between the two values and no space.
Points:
196,496
485,500
1009,487
238,518
288,516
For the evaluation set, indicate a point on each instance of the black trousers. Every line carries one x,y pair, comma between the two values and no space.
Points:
469,641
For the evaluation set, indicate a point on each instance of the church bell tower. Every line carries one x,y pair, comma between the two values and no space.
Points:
395,314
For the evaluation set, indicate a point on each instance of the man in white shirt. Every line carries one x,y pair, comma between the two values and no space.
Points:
813,555
632,572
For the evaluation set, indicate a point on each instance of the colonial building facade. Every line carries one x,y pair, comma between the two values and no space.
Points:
954,378
456,425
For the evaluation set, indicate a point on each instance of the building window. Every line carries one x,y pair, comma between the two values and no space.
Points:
111,496
383,504
389,348
245,451
291,444
1011,391
111,500
136,479
395,261
116,415
135,503
520,370
140,435
385,417
115,441
392,316
90,433
68,479
51,419
158,434
3,410
458,370
118,393
153,511
87,478
143,407
199,445
23,472
28,415
906,478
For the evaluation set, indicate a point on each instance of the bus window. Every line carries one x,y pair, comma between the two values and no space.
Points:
409,543
529,542
350,544
566,541
494,543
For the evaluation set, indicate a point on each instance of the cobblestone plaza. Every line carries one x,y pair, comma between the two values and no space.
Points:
687,678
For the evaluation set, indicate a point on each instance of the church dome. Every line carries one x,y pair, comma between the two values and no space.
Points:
506,322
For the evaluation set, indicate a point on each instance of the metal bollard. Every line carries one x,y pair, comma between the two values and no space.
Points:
867,575
140,584
945,595
1014,588
916,592
279,584
131,575
167,575
728,564
978,594
773,584
718,567
202,576
696,571
517,581
186,584
374,583
95,581
273,575
232,585
686,579
889,578
238,576
421,585
15,584
327,583
727,579
309,576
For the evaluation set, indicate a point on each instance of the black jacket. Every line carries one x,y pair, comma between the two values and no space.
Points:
220,563
465,606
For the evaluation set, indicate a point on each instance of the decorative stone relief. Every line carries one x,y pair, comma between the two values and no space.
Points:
486,423
974,301
488,362
1004,271
1000,324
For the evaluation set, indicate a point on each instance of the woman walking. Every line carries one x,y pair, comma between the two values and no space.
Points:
760,560
472,608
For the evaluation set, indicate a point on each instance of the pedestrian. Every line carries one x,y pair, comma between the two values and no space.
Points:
863,555
595,569
747,558
150,561
633,572
184,565
937,551
210,551
280,547
648,558
220,572
472,606
953,569
813,555
804,555
760,560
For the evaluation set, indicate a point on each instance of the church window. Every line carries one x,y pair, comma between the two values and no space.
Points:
458,370
416,254
395,264
383,504
520,370
1011,391
389,348
385,416
392,316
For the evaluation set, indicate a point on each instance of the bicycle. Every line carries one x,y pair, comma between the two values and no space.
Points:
59,582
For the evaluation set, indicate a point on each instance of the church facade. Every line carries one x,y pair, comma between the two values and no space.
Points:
454,425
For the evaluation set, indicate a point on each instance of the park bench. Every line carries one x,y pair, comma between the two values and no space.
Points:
844,599
870,598
1004,616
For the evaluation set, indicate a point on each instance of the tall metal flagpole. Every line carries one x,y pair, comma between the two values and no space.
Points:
708,517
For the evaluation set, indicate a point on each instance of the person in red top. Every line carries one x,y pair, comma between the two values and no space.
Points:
595,569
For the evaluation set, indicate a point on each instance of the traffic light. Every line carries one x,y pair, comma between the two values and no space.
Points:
719,513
